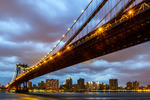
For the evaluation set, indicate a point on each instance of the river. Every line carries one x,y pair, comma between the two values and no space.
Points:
76,96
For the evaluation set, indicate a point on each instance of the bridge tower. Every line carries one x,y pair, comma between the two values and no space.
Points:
18,70
21,68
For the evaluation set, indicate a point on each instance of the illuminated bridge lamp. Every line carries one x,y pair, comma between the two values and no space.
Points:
44,61
51,58
68,48
63,36
82,11
75,21
58,53
100,29
130,12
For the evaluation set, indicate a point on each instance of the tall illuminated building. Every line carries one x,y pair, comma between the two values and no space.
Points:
52,84
135,85
97,85
30,85
69,83
129,85
113,83
81,83
47,84
93,85
41,85
90,85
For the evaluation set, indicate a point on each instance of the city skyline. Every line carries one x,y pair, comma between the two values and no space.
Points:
51,85
26,39
127,83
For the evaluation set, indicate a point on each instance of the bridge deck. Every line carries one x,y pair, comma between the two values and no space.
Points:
123,35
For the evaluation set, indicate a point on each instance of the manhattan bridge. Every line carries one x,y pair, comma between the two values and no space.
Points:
103,27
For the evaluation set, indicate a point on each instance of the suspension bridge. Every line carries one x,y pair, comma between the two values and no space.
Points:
104,26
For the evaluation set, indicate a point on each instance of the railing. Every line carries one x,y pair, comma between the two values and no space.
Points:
131,13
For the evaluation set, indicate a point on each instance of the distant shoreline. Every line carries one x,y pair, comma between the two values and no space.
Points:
100,90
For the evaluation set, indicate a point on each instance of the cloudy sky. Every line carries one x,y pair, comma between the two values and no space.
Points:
29,29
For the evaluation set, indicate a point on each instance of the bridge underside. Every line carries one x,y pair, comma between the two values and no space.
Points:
128,33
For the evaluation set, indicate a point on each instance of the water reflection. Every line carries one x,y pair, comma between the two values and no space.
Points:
76,96
16,96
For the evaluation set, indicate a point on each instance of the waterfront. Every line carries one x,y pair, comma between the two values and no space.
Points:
76,96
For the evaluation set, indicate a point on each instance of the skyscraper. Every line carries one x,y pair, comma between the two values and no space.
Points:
97,85
69,83
47,84
30,85
113,83
52,84
135,85
90,85
129,85
41,85
81,83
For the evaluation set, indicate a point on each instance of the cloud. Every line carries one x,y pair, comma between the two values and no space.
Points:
43,7
13,27
10,59
27,52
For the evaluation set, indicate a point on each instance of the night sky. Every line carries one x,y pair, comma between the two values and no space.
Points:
30,28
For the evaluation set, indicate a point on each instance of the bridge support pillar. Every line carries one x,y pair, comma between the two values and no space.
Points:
25,86
24,90
19,87
16,87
